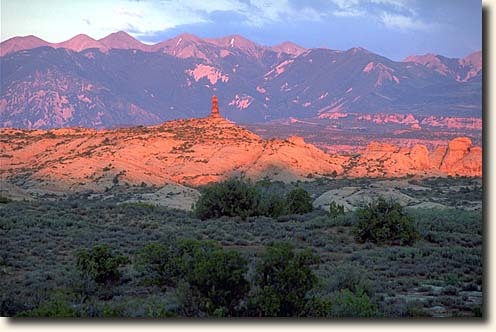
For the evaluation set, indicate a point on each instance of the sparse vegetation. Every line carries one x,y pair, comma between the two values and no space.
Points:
176,259
335,210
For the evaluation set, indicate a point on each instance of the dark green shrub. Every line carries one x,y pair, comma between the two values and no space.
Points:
349,304
317,307
274,206
160,264
335,210
219,280
299,201
211,279
384,222
231,198
101,264
283,279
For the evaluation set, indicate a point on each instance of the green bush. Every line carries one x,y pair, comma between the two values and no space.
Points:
335,210
299,201
384,222
349,304
238,198
160,265
101,264
283,278
219,281
231,198
54,307
274,206
211,279
351,276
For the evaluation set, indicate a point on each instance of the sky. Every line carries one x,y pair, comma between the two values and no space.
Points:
392,28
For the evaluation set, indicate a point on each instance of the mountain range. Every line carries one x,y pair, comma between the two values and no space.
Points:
118,81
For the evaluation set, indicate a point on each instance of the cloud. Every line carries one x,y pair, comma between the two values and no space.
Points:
403,22
149,17
348,12
60,20
393,14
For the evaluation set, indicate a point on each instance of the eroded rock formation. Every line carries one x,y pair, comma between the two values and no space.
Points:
199,151
459,158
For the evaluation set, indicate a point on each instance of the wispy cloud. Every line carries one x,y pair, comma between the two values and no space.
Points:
403,22
351,12
393,14
147,17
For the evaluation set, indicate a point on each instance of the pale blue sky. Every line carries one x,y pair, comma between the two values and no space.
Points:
393,28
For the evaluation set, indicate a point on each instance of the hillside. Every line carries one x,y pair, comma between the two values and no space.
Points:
198,151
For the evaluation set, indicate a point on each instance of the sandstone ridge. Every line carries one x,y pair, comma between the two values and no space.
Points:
198,151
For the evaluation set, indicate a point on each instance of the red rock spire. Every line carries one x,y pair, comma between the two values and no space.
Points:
215,107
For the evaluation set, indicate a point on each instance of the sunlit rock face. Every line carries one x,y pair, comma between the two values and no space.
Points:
197,151
459,158
462,158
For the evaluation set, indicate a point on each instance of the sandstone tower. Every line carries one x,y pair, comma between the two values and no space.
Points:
215,108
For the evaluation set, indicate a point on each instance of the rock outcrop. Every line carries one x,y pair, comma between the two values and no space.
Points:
198,151
215,108
457,149
459,158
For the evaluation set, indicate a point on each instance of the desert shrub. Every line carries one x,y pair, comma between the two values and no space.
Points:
283,278
101,264
210,279
351,276
346,219
231,198
299,201
384,222
57,306
273,206
353,304
160,265
239,198
317,307
335,210
219,281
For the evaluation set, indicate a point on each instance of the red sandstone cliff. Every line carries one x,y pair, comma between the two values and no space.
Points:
459,158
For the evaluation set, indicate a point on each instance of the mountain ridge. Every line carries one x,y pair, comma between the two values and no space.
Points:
123,40
108,86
